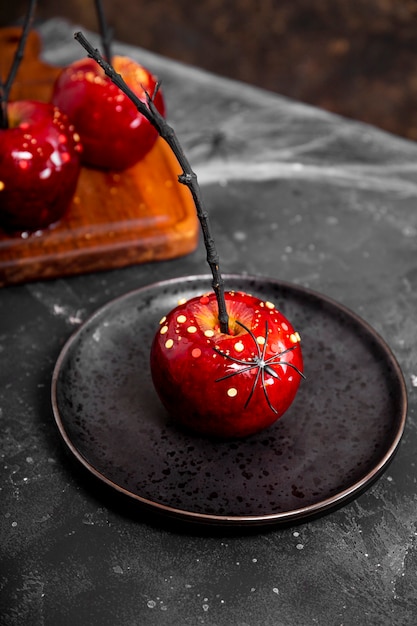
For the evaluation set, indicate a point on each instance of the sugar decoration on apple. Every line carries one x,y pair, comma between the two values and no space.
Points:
226,384
224,364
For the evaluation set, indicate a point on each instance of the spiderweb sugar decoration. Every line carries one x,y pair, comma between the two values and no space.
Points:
263,366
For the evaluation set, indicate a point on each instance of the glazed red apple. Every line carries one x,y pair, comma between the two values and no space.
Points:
222,380
114,134
39,165
226,385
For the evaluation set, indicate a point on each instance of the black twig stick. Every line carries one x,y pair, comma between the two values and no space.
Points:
105,32
7,85
188,177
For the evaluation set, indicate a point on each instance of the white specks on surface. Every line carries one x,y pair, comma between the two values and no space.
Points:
88,519
62,311
152,604
275,590
239,235
414,380
117,569
68,307
96,518
299,545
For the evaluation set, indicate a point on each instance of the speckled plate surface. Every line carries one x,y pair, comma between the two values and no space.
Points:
335,440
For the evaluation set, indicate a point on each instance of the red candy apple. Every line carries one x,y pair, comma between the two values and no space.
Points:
114,134
223,364
39,165
226,385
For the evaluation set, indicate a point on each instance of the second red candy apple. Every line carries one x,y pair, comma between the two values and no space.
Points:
114,134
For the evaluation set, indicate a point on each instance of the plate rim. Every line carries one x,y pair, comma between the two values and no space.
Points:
283,517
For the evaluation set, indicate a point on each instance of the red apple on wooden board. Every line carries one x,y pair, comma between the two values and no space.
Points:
114,134
226,385
39,165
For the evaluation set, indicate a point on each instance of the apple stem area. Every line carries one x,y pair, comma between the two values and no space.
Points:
5,86
105,32
187,178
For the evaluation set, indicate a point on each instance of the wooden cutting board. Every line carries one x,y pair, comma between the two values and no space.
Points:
115,219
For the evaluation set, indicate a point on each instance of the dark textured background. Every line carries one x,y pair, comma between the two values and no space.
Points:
293,193
354,58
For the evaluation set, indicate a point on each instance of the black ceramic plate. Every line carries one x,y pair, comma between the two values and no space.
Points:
335,440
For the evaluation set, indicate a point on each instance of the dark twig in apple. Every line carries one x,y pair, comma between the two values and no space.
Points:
258,361
6,86
187,178
105,32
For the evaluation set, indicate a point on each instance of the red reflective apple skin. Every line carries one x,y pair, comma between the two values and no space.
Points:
114,134
39,165
186,367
